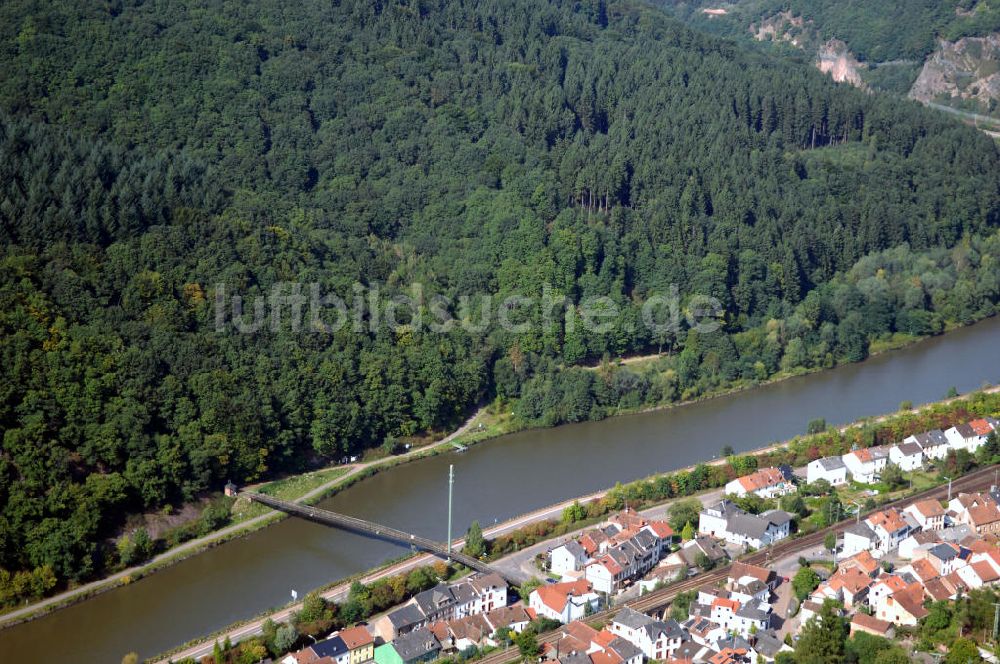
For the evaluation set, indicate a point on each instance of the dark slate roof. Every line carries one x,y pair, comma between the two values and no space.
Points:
405,616
943,552
755,526
332,647
910,449
575,549
646,540
932,438
625,649
632,618
752,613
734,642
767,643
861,529
831,463
416,644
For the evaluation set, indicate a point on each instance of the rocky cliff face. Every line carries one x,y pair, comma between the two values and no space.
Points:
837,60
832,57
966,69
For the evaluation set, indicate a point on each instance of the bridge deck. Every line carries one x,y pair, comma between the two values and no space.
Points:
370,529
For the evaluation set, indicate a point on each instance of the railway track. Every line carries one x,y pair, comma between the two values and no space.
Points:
660,599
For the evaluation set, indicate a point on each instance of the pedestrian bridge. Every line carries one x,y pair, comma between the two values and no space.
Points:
378,531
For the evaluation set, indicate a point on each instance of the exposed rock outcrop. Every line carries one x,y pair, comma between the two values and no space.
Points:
966,69
837,60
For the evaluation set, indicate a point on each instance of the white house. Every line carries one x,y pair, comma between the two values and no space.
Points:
890,527
866,465
831,469
879,533
933,443
607,573
928,513
908,456
970,436
727,521
766,483
859,537
566,558
564,602
657,639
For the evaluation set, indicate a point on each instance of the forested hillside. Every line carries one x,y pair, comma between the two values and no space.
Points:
153,151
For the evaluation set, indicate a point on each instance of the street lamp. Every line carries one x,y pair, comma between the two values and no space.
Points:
949,486
858,520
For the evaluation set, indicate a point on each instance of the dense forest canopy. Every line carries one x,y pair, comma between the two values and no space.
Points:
155,152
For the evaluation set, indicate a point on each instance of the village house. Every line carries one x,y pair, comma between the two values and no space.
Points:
977,510
700,545
901,607
848,586
766,483
567,557
866,464
831,469
908,456
933,443
727,521
969,436
477,594
928,514
360,643
863,561
564,602
944,557
417,646
978,574
862,622
657,639
880,533
514,618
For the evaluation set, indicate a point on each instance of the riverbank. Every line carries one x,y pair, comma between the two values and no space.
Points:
496,421
337,590
241,527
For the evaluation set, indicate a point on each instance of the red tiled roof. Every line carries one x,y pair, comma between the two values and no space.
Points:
985,571
911,599
893,582
923,569
605,657
732,604
863,560
604,638
356,637
981,427
440,630
852,579
863,455
555,595
661,528
762,479
928,508
889,520
610,563
870,623
741,569
581,631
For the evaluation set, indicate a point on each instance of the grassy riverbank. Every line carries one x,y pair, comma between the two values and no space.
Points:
496,420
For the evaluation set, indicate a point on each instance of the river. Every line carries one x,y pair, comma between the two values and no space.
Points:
493,481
